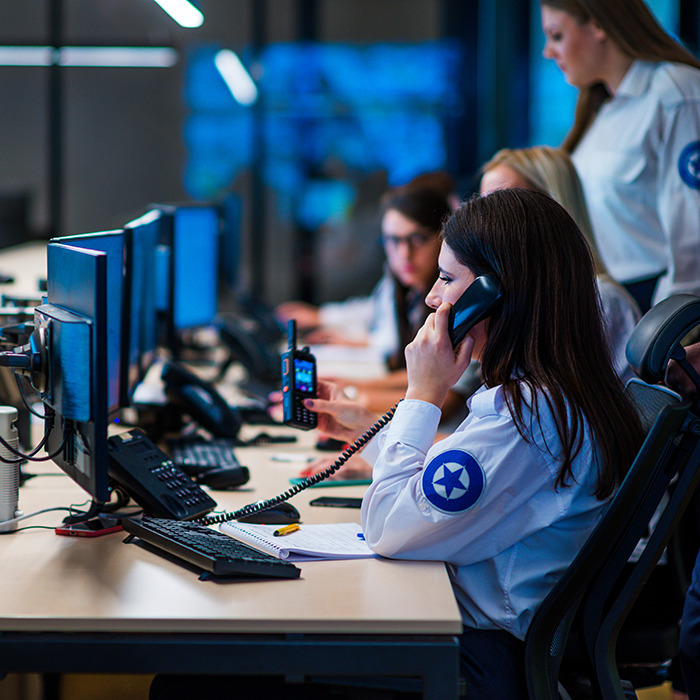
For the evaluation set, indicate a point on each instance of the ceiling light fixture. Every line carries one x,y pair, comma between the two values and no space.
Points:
236,77
183,12
89,56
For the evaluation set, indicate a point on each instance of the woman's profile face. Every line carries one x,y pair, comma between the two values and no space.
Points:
411,250
576,48
452,282
501,177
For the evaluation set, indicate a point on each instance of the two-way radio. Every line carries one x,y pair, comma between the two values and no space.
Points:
298,382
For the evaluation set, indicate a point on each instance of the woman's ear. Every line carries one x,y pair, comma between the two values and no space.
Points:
598,32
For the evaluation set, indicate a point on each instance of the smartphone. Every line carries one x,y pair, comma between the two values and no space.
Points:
298,383
337,502
95,527
476,303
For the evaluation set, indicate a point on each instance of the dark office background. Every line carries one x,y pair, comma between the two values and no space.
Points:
354,96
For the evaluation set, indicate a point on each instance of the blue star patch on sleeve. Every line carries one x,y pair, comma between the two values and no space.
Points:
689,165
453,481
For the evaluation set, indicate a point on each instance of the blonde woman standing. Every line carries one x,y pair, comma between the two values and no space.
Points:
635,140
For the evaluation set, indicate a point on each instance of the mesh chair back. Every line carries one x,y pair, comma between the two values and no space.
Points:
549,630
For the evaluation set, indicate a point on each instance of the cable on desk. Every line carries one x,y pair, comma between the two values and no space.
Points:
306,483
31,515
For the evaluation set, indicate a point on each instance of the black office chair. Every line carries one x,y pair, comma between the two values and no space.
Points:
613,643
578,624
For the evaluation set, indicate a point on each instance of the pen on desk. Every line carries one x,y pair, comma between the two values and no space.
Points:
286,529
289,457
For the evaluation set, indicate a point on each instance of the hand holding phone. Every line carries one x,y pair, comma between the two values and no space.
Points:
434,365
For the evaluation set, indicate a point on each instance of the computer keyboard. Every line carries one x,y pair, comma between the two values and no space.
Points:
208,549
194,455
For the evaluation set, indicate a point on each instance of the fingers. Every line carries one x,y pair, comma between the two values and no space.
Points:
322,405
326,389
442,316
464,353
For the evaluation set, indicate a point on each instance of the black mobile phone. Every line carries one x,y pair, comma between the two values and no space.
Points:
90,528
298,383
476,303
337,502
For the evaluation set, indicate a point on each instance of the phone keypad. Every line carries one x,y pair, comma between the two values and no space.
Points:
303,415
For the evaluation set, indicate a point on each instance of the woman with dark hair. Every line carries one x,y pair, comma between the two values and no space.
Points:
635,140
508,499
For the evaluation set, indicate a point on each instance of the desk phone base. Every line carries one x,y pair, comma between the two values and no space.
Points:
151,478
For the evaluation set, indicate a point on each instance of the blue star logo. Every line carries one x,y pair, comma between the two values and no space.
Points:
689,165
453,481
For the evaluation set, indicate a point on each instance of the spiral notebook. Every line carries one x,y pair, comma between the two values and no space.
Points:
310,542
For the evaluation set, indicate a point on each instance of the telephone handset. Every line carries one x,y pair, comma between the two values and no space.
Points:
476,303
200,400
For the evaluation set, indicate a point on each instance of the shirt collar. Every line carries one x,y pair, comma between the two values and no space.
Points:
636,80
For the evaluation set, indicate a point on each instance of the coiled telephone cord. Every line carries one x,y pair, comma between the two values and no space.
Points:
308,481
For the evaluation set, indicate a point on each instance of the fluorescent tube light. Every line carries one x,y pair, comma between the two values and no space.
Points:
26,56
117,56
89,56
183,12
236,77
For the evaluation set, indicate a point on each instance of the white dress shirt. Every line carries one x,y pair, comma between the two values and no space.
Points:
372,317
483,500
639,164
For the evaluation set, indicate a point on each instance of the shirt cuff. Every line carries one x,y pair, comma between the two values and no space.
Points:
415,424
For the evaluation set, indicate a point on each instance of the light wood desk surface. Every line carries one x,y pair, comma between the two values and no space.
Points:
75,583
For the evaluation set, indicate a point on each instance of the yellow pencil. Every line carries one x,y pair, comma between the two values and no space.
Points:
286,529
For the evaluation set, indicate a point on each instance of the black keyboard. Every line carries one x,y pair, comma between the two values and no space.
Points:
194,455
208,549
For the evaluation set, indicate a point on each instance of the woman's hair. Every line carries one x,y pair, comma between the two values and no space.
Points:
631,26
422,200
428,205
552,171
548,333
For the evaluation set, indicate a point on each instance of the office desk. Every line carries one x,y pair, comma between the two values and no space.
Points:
71,604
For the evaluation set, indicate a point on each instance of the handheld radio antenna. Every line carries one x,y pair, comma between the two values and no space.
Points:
291,334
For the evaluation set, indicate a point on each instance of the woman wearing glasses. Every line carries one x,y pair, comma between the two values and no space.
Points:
411,217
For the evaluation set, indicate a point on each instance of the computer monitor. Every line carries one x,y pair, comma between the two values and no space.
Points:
230,212
75,324
190,250
142,239
113,244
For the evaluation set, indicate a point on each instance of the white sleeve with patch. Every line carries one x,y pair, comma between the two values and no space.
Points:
466,498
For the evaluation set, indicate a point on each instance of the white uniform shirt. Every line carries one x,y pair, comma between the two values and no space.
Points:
373,317
484,501
621,314
639,163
